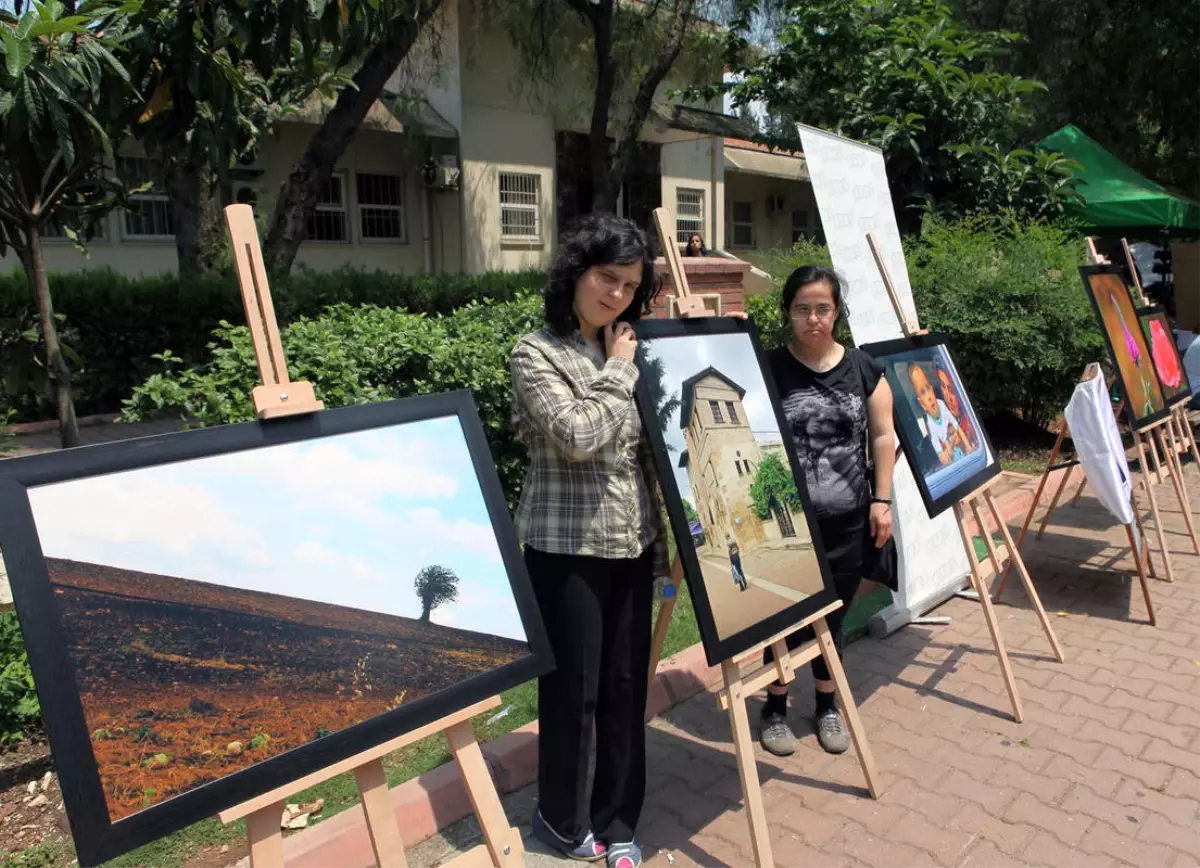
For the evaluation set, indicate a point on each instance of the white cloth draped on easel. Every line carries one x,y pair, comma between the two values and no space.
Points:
1097,441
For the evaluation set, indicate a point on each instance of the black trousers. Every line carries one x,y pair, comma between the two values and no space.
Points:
597,613
851,552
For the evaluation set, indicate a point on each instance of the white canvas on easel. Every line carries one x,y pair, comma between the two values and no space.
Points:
1098,445
853,198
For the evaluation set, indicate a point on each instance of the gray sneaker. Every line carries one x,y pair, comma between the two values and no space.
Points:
832,733
776,736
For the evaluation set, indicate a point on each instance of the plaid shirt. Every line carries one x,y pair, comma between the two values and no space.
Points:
591,488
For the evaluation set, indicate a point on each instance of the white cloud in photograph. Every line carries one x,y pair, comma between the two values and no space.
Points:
347,519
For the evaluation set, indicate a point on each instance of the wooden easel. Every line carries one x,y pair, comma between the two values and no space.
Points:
1092,371
912,329
737,686
279,397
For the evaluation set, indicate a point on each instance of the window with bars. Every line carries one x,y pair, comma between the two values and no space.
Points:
689,213
800,225
328,221
520,207
733,416
716,411
97,231
380,206
150,213
741,225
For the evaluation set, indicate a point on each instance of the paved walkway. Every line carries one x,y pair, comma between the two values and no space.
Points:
1104,771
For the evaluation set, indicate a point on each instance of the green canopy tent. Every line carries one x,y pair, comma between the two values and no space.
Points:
1115,196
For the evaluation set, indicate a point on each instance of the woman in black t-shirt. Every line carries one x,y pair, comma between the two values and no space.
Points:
839,409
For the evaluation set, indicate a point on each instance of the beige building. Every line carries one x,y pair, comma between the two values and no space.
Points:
722,455
482,171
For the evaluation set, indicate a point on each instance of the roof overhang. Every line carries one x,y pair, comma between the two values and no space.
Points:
701,122
770,164
391,113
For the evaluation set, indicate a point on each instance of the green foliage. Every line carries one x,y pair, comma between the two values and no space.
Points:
910,78
1012,304
772,484
435,585
19,707
118,324
8,440
354,355
690,511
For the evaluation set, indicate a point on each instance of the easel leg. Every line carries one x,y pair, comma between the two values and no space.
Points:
503,842
1079,491
841,686
1037,498
1137,517
663,624
266,840
1141,571
993,556
386,842
1158,470
1054,503
1149,488
1024,574
1175,470
1189,436
989,615
743,746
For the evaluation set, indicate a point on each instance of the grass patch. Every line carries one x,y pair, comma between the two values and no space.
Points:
37,856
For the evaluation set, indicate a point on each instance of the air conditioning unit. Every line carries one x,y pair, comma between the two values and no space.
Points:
442,173
776,204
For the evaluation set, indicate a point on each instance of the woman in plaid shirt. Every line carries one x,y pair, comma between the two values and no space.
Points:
591,519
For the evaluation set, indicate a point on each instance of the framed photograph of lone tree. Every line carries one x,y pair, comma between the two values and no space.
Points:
947,447
212,614
1164,352
1137,379
740,512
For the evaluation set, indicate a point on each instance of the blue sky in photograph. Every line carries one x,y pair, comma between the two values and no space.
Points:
732,355
347,519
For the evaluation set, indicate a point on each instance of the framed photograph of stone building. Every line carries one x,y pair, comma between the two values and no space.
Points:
738,507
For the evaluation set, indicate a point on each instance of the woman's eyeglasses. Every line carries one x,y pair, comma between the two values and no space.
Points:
802,312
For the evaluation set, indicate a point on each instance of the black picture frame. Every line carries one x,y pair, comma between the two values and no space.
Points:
1136,423
717,650
1158,312
934,506
97,838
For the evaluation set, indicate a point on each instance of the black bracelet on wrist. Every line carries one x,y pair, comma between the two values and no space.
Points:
882,500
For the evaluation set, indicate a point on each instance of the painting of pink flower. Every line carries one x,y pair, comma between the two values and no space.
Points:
1166,358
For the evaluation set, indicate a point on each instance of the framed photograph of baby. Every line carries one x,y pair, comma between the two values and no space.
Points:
941,435
213,614
753,559
1164,352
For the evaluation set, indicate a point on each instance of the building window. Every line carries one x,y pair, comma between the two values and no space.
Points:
97,231
800,225
716,411
738,465
328,221
150,213
380,206
741,226
689,213
520,207
733,417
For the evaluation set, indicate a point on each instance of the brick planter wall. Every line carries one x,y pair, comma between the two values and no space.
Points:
707,276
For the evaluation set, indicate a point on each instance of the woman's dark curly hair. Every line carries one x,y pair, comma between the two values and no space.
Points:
598,239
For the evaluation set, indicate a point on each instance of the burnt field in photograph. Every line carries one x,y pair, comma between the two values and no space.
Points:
184,682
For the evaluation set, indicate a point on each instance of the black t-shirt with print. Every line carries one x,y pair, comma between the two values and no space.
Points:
827,414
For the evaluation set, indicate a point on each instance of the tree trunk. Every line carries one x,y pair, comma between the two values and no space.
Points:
604,191
426,611
298,196
194,213
56,365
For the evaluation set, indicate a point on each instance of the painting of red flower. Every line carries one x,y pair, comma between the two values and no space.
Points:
1157,329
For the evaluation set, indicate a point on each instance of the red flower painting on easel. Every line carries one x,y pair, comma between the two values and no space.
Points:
1157,329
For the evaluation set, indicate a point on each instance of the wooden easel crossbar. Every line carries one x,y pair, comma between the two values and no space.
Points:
972,501
275,398
736,686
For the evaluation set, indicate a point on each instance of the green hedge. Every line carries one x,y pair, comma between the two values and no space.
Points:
353,355
117,324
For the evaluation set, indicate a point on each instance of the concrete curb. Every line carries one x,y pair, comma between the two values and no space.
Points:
427,804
